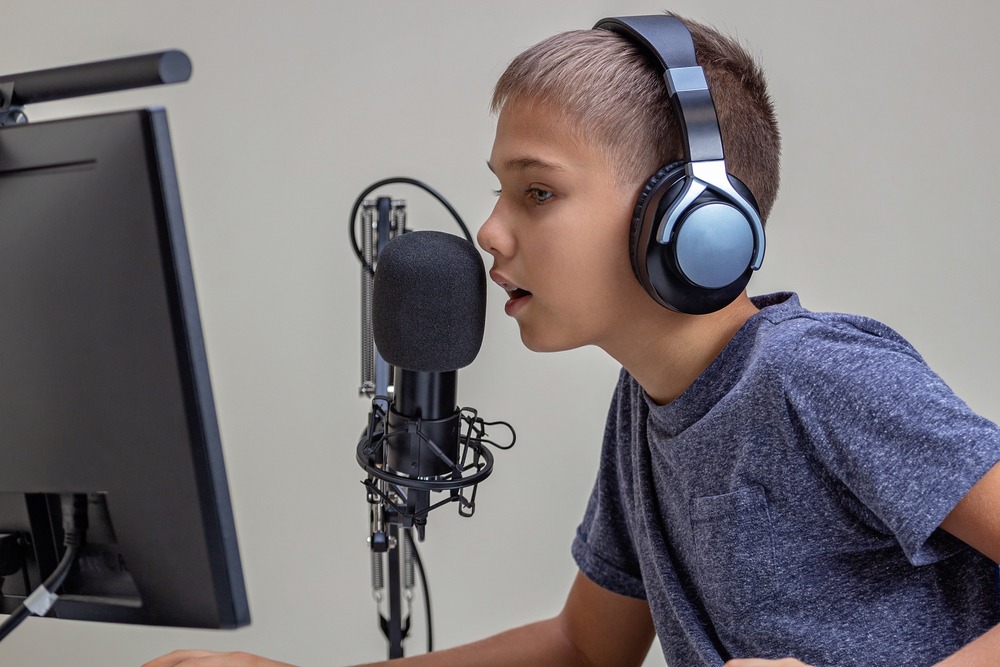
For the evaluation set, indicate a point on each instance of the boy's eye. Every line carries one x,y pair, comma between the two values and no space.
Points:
538,195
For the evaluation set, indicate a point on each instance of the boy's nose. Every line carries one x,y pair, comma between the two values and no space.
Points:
492,237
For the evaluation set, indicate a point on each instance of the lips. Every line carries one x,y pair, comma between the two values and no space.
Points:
516,294
513,291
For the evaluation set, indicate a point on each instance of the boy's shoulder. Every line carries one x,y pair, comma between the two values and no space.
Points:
784,308
788,333
835,359
786,349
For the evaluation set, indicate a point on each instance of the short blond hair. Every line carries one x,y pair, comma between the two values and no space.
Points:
612,93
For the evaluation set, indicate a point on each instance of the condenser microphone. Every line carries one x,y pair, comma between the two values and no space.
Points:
428,318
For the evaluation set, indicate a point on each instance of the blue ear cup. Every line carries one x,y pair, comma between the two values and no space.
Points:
702,261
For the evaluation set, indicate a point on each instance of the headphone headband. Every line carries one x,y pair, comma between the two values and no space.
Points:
669,40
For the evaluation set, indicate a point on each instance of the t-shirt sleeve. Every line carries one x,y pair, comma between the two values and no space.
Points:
888,429
603,547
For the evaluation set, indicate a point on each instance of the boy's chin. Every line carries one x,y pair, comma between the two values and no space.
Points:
541,343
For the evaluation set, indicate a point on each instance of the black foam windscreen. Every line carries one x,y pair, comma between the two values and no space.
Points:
429,302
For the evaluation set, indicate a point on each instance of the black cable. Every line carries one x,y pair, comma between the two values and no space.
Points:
353,223
74,515
427,592
14,620
51,585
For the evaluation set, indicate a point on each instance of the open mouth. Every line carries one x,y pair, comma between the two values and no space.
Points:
516,296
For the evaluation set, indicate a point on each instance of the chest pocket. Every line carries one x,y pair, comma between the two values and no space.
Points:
734,556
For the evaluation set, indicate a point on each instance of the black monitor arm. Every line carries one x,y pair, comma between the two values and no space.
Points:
105,76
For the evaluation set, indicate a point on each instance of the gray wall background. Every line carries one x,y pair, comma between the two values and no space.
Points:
887,209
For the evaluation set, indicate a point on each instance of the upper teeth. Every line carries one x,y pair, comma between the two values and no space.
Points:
510,288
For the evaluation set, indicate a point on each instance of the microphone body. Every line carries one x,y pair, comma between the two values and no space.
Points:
428,319
428,399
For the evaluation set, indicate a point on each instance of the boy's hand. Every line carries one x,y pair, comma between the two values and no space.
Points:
212,659
758,662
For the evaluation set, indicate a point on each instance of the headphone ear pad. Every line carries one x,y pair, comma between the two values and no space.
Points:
657,265
744,191
636,235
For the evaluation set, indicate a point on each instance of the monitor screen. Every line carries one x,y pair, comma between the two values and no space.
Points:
104,381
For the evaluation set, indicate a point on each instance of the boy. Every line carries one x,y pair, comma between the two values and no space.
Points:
774,482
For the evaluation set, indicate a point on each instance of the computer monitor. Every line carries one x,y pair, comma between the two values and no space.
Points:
104,381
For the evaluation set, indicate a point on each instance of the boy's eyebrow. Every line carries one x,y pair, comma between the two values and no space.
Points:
524,163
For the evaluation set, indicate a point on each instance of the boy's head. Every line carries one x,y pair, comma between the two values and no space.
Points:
612,94
584,121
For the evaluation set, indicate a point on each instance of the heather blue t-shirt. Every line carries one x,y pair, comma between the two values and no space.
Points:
788,502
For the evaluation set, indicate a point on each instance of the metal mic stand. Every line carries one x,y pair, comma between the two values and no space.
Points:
382,219
399,502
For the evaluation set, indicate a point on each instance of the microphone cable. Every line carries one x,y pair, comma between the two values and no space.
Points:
352,221
423,585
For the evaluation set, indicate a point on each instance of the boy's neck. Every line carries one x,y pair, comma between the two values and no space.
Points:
666,351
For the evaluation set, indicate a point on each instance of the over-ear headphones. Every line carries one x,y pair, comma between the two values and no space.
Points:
696,234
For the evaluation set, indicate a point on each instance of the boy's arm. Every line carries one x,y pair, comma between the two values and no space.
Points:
976,521
595,628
